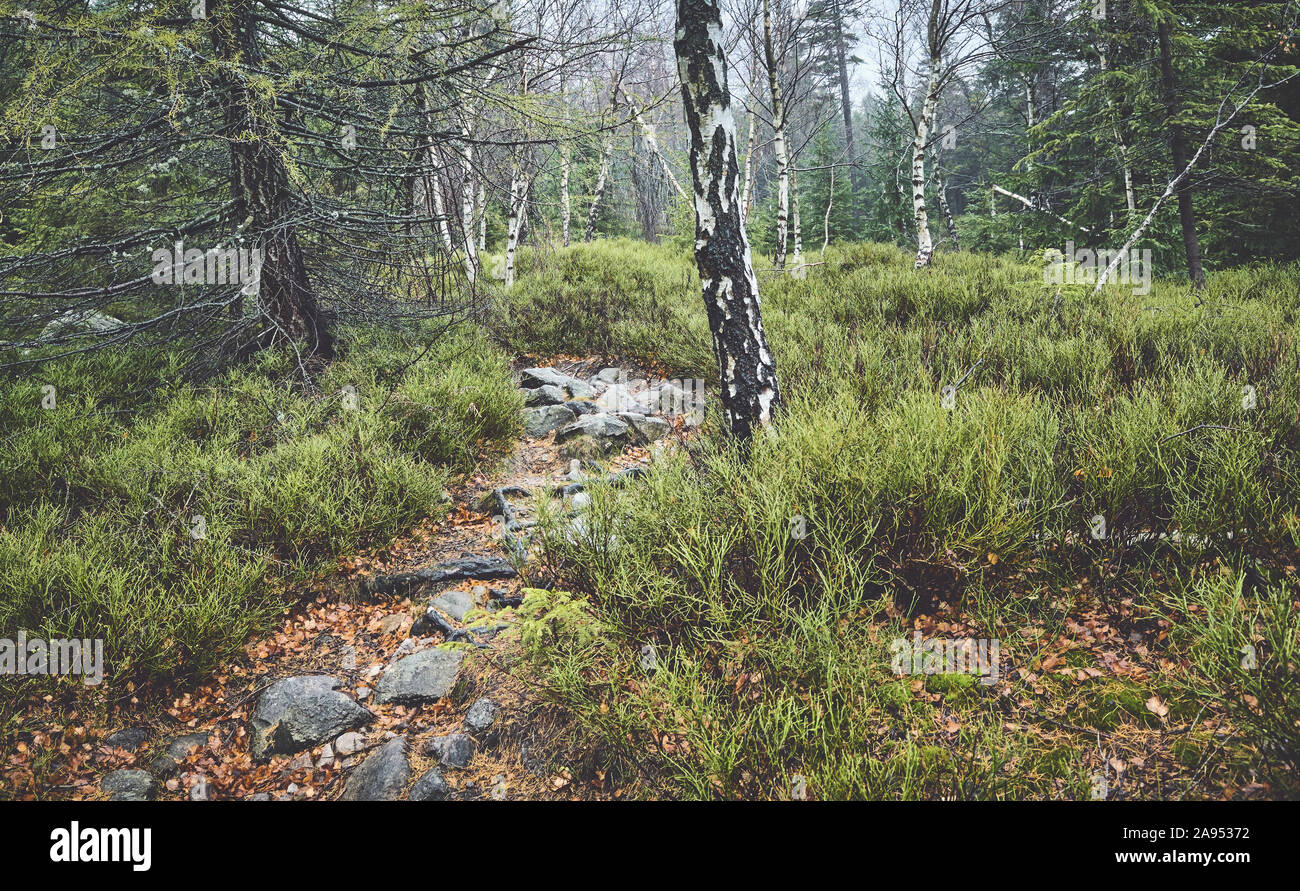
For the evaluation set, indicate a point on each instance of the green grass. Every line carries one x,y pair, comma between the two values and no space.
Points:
101,496
1071,412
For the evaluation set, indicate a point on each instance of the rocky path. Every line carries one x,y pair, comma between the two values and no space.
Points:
393,685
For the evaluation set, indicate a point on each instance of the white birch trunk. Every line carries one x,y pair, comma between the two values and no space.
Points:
924,243
778,142
750,395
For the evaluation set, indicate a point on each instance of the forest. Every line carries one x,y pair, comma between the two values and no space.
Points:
890,400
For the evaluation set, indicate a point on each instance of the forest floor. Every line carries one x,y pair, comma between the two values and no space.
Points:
194,741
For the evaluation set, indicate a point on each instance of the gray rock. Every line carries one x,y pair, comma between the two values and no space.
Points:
80,322
129,738
298,713
533,378
648,429
454,603
163,767
545,418
480,715
598,433
583,407
350,743
544,395
452,750
129,785
382,776
180,747
430,787
426,676
608,375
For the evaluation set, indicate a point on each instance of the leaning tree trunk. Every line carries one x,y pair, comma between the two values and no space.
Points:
778,142
941,192
1178,145
749,388
924,243
260,190
606,158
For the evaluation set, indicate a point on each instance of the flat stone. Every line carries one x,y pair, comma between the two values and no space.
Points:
382,776
545,418
454,603
180,747
297,713
350,743
597,434
533,378
648,428
608,375
430,787
426,676
452,750
129,785
544,395
129,738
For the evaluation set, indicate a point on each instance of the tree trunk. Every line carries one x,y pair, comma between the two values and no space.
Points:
778,142
519,182
846,106
750,394
260,190
606,158
941,190
747,190
566,211
648,132
924,243
797,257
1178,145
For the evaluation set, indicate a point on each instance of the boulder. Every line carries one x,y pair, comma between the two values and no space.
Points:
597,434
430,787
382,776
128,785
545,418
544,395
426,676
532,378
297,713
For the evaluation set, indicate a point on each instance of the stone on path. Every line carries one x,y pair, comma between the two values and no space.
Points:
533,378
430,787
426,676
382,776
128,785
297,713
452,750
545,418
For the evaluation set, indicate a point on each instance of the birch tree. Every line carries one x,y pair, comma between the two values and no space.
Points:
750,395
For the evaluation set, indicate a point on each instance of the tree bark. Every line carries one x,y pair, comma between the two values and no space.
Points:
924,243
566,211
1178,145
606,158
750,395
747,190
261,193
846,106
778,142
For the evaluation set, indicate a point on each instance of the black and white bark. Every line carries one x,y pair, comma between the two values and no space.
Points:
750,395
